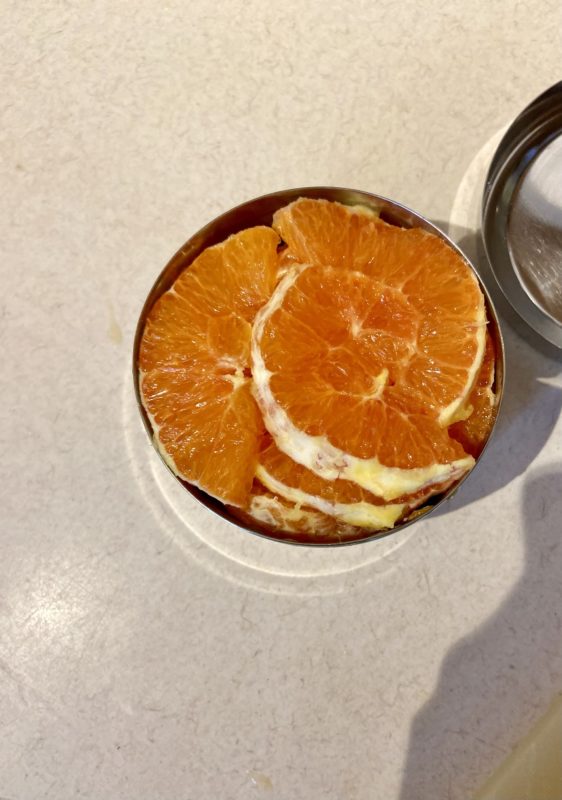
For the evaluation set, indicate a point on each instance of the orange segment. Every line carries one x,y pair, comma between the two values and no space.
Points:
473,432
194,365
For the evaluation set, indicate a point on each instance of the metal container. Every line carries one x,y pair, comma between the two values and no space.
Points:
260,212
522,215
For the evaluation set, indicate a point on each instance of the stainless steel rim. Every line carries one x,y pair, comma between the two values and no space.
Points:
536,127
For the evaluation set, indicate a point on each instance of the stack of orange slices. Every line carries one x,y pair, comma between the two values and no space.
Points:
323,376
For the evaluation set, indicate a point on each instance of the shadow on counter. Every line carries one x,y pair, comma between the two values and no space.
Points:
497,681
531,405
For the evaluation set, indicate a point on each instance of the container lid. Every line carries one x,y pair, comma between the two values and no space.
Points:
522,215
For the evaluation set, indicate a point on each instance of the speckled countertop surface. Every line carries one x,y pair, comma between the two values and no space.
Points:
146,649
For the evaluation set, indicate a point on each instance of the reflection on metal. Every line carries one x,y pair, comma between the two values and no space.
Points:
522,215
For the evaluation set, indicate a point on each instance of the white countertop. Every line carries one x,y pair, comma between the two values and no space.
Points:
147,649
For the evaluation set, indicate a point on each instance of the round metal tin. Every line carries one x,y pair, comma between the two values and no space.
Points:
260,212
522,215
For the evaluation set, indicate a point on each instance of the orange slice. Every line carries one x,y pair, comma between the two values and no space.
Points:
473,432
353,382
342,499
430,275
328,233
276,514
194,365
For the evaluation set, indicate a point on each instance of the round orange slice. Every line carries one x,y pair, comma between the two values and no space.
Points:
194,364
353,381
429,274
